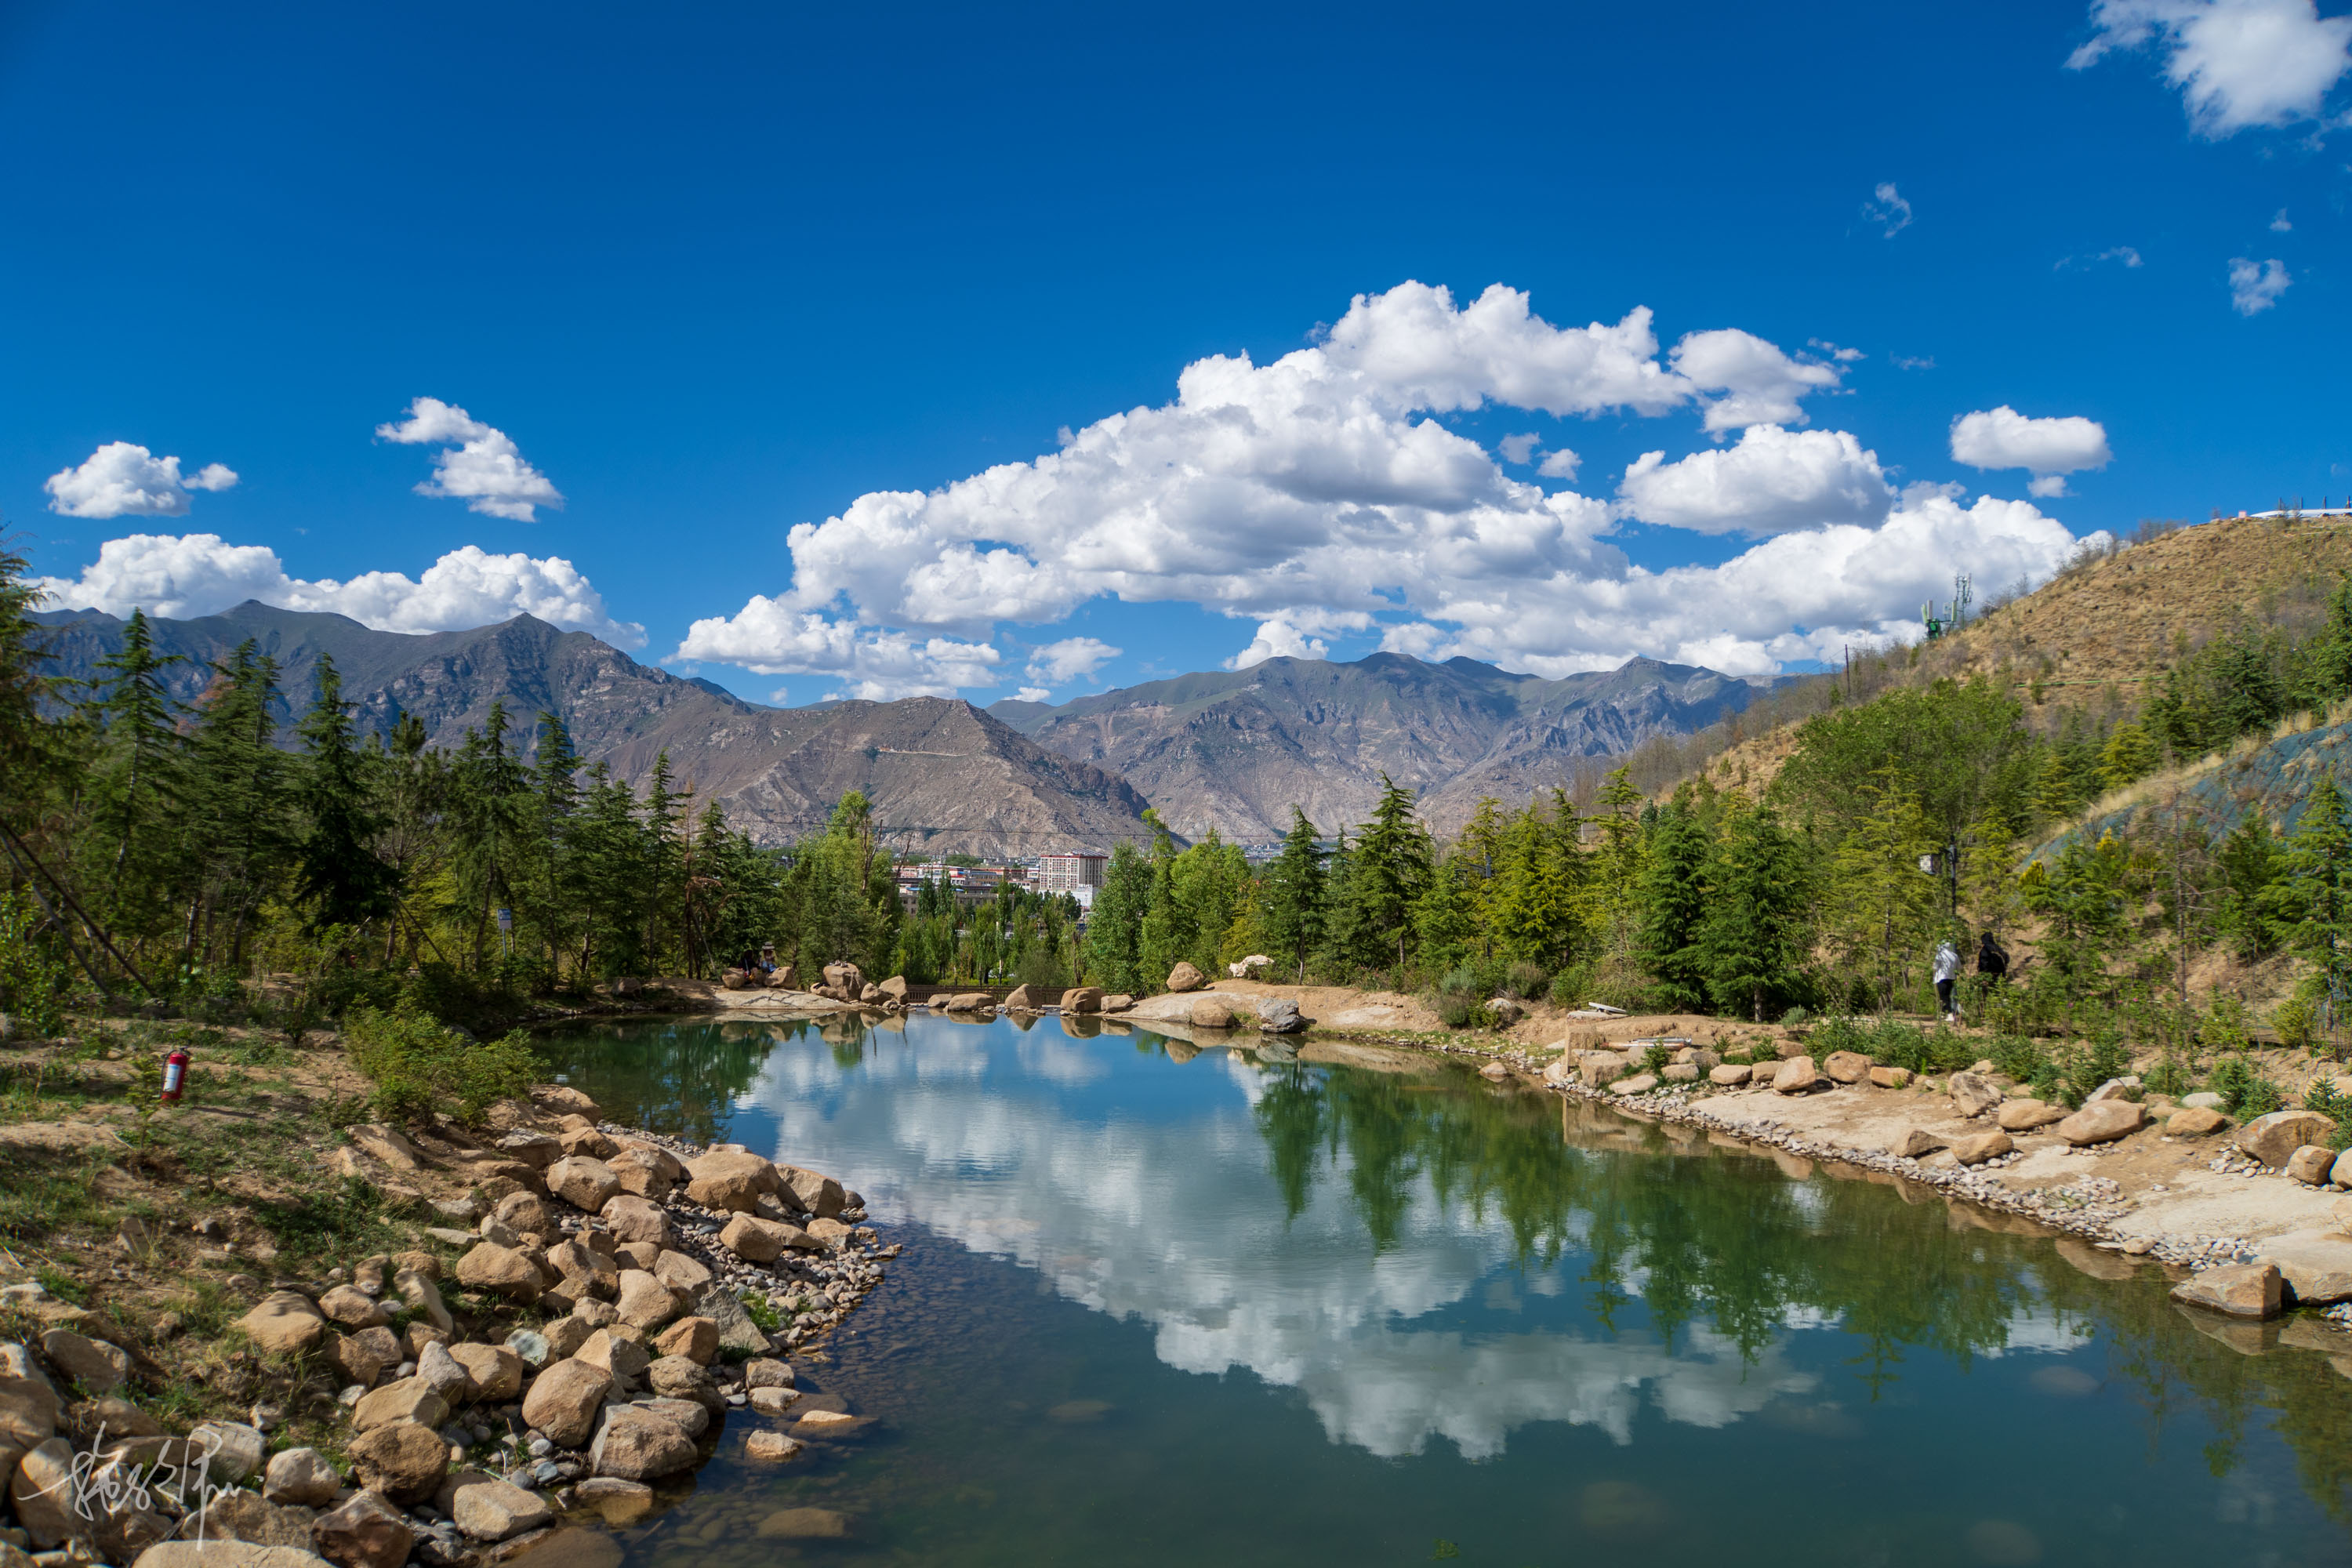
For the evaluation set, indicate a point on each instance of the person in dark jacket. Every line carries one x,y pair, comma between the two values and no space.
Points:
1991,960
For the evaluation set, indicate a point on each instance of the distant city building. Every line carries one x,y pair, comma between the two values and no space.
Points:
1070,872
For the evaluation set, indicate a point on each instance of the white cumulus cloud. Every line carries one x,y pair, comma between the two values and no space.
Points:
1317,495
122,480
477,464
1755,383
182,575
2049,449
769,637
1771,481
1059,663
2255,287
2238,63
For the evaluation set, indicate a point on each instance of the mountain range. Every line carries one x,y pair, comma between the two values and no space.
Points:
1231,751
1235,750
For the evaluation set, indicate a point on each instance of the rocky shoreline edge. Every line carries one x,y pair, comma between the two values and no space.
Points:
621,1294
2235,1278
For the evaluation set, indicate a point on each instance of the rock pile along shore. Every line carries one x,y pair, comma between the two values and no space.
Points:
2240,1276
628,1260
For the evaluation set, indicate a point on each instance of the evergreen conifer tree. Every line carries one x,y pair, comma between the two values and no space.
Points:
1671,896
238,796
1390,870
1291,910
1758,929
135,783
338,870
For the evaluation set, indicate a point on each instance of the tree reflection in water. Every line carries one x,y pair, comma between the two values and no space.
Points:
1724,1238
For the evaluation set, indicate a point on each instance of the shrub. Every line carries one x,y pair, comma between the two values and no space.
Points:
1569,985
2244,1091
1655,1057
2322,1096
1838,1035
2020,1057
1794,1018
418,1067
1524,980
2297,1023
1456,1010
32,976
2169,1076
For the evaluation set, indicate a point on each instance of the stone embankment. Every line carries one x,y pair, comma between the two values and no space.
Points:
593,1339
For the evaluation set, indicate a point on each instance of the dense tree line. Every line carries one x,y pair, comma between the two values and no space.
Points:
181,852
1897,824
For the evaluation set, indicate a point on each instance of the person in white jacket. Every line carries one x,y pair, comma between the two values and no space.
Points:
1948,970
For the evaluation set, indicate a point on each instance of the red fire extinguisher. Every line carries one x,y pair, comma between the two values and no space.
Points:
176,1073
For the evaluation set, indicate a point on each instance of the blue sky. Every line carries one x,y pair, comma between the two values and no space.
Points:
709,277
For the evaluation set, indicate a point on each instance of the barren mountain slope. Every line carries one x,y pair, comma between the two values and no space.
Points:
2103,632
1236,750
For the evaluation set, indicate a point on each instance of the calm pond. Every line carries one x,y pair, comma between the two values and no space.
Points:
1168,1305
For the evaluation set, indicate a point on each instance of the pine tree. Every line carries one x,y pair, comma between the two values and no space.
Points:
1758,924
136,782
2055,796
1115,935
1390,870
1617,862
29,749
1291,911
337,870
2310,905
2129,755
1880,906
1445,922
1672,897
1534,918
486,786
238,796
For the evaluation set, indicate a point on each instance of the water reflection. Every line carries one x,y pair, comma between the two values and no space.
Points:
1420,1255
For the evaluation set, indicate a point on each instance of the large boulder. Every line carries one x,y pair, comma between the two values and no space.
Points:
632,1219
404,1461
526,1213
1213,1013
284,1322
1976,1148
537,1149
42,1491
502,1272
232,1450
2311,1164
681,1272
1021,1000
2025,1115
409,1399
2195,1122
1184,977
1278,1016
493,1510
365,1532
585,1271
1083,999
349,1307
444,1374
638,1446
584,1182
2102,1121
224,1554
893,989
300,1478
1846,1067
619,1357
1973,1094
812,1193
644,1302
2240,1290
756,1240
844,980
696,1338
647,1172
729,1178
98,1367
2273,1139
1917,1143
564,1400
495,1371
1795,1075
